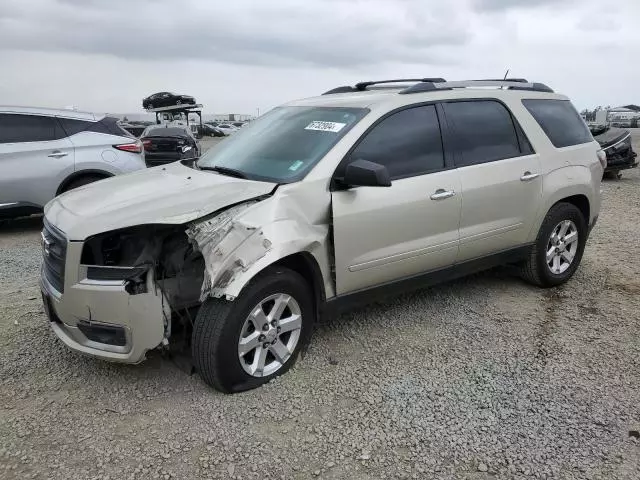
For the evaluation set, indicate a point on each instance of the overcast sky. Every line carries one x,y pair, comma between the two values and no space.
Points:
241,55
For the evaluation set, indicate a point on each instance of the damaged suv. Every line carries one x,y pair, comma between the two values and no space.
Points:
316,207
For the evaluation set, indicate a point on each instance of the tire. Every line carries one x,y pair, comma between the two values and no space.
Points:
219,325
613,175
81,181
535,269
150,106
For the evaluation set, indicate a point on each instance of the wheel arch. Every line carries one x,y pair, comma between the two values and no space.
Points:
79,174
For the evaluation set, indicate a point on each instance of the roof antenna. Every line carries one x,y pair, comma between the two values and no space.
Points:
505,74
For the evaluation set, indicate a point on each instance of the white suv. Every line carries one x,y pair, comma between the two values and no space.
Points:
44,152
320,205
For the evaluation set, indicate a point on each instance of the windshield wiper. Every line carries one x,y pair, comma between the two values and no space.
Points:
225,171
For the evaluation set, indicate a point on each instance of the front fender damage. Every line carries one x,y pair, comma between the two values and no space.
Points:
229,246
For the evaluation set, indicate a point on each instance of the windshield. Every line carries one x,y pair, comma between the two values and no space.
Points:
284,144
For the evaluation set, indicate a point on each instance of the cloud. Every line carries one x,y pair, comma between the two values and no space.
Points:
336,33
497,5
240,55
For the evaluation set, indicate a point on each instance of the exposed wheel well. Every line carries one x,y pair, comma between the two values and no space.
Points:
582,203
81,174
304,264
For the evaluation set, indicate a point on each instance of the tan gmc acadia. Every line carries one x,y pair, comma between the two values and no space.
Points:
318,206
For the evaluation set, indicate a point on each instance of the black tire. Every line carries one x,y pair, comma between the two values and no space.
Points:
218,326
535,269
82,181
149,106
613,175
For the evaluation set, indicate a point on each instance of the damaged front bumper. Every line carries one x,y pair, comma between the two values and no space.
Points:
100,318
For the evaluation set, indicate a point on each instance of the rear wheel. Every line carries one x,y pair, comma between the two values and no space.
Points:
243,344
82,181
613,175
558,249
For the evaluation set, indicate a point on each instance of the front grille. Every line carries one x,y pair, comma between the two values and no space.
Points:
54,253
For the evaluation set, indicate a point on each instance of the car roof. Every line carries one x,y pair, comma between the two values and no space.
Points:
389,97
159,132
53,112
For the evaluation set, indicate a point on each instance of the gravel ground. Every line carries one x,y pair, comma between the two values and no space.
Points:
482,378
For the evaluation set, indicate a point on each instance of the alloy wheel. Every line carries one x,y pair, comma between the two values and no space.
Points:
269,335
562,247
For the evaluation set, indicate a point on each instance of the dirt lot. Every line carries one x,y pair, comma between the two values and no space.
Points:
481,378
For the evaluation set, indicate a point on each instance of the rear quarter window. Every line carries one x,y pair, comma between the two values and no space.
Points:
560,121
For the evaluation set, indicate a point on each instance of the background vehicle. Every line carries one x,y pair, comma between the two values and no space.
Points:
316,207
44,152
210,131
165,144
166,99
227,128
616,143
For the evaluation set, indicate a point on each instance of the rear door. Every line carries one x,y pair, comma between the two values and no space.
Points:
35,156
382,234
500,175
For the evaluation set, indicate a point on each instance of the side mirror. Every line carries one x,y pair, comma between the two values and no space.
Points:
363,173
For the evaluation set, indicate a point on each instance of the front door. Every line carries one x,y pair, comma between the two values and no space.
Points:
382,234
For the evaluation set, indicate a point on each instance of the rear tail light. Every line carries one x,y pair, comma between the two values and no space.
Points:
602,156
134,147
146,144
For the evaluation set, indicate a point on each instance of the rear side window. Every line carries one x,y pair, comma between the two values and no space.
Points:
108,125
560,121
72,126
484,132
26,128
408,143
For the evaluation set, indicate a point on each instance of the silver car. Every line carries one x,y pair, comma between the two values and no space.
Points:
316,207
45,152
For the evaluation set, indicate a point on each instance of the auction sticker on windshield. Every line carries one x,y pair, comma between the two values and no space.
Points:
334,127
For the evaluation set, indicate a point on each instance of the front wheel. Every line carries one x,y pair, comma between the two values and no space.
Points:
558,248
243,344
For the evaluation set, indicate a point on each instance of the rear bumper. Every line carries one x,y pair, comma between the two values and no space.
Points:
100,318
624,163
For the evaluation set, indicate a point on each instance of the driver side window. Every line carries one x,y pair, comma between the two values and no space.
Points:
408,143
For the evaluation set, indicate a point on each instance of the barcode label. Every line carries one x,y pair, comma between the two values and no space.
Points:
325,126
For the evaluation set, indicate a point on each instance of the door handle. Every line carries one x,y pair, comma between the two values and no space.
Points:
57,154
529,176
441,194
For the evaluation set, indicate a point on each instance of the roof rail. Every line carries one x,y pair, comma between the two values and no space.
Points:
431,84
361,86
516,84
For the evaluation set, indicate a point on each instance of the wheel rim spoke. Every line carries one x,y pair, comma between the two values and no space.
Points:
551,253
279,305
248,343
556,264
571,237
294,322
257,367
563,229
280,351
258,318
568,256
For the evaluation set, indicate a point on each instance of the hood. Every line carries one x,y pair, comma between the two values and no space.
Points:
172,194
611,136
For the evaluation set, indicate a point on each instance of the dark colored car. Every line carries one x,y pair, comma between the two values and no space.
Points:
616,143
210,130
166,99
164,145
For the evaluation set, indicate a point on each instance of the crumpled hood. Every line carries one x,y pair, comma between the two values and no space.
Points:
611,136
172,194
